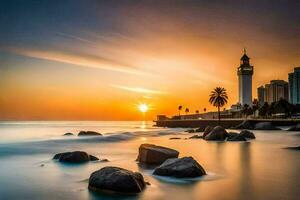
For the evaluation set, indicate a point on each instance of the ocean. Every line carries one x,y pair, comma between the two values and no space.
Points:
256,169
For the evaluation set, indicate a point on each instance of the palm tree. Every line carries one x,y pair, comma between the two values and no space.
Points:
218,98
187,111
179,109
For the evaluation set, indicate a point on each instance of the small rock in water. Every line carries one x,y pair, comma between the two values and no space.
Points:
174,138
207,130
190,131
185,167
68,134
218,133
74,157
196,137
104,160
89,133
200,129
232,136
115,179
152,154
294,148
42,165
247,134
93,158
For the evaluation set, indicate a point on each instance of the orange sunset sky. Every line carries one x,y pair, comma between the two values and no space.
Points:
98,60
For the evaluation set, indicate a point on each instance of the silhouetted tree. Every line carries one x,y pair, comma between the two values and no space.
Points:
218,98
179,109
255,106
282,106
263,111
245,109
187,111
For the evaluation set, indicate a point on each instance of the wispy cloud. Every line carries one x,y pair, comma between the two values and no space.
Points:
77,59
138,89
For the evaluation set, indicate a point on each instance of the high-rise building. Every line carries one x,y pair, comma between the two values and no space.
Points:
245,73
294,86
261,95
274,91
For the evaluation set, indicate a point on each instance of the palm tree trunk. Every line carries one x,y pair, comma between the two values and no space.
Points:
219,115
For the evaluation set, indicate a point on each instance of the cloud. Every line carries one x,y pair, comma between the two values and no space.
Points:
77,59
138,89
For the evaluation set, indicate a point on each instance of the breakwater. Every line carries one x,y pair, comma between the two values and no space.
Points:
226,123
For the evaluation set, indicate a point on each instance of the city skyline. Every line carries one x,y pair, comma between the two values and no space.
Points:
100,60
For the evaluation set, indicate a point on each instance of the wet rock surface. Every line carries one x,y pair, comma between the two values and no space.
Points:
74,157
185,167
152,154
89,133
116,179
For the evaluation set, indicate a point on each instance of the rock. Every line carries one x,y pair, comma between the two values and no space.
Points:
93,158
190,131
68,134
294,128
89,133
200,129
245,125
74,157
233,136
185,167
196,137
152,154
104,160
207,130
115,179
265,126
174,138
294,148
218,133
247,134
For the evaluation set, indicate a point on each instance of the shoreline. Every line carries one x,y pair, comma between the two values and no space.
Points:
226,123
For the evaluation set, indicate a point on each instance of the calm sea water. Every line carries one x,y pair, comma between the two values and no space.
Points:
258,169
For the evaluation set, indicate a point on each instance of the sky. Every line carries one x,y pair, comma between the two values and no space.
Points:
98,60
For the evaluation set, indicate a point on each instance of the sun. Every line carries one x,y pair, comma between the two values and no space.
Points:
143,108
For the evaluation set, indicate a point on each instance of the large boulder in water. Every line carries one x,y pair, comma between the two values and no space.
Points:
115,179
232,136
207,130
185,167
74,157
218,133
246,124
265,126
89,133
247,134
152,154
294,128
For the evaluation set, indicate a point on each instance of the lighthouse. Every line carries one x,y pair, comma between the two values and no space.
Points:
245,73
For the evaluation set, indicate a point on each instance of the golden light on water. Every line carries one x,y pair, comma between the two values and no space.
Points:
143,108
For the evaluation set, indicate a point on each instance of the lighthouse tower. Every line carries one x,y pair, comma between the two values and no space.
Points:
245,73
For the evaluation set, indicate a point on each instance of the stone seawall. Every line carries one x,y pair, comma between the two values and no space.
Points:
226,123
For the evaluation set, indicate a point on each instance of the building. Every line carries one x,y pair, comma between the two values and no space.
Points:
245,73
294,86
261,95
272,92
